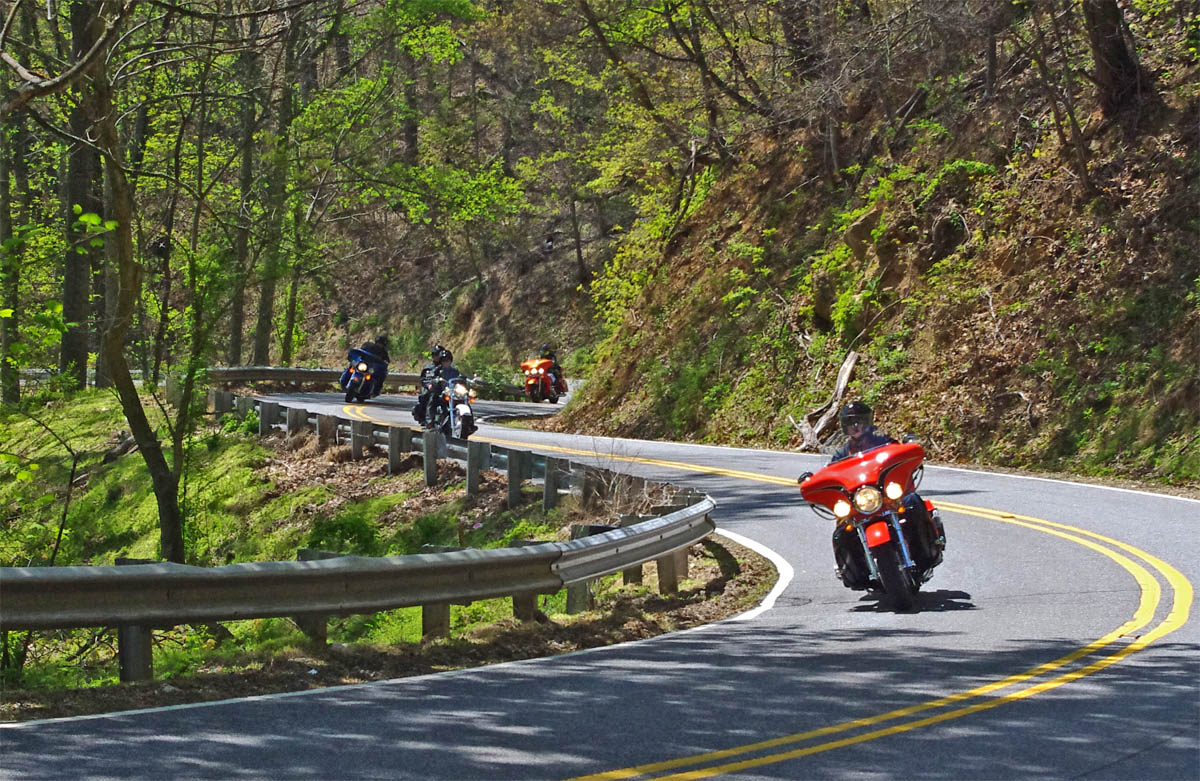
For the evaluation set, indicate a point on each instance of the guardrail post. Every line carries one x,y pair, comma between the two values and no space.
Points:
315,626
671,569
556,469
479,457
429,446
361,432
135,651
435,619
406,439
524,605
297,420
326,430
592,488
395,456
268,413
581,596
517,460
174,391
631,576
221,401
243,406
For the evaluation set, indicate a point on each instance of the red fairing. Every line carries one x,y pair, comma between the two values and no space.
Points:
877,534
893,463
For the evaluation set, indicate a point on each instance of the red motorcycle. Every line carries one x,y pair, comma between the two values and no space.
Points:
872,497
540,381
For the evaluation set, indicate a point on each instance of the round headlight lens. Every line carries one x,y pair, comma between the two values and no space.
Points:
841,508
362,366
894,491
541,371
460,389
868,499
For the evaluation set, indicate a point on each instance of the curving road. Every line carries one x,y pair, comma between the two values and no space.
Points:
1054,641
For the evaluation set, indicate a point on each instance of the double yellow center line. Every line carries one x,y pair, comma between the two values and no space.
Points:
1022,685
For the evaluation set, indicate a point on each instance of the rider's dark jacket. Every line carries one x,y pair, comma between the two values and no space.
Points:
868,439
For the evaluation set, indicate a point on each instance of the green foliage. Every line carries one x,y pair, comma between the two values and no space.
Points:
955,175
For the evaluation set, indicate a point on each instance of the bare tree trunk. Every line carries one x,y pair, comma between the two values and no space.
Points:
249,77
98,101
10,264
584,275
276,201
77,266
1117,73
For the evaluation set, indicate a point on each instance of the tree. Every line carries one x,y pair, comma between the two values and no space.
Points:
1118,77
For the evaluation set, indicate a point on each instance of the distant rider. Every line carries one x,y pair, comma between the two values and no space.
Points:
377,348
858,423
443,375
424,384
556,375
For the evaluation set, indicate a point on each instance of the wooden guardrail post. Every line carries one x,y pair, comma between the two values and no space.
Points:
135,650
243,406
326,430
315,626
435,619
517,468
395,450
673,567
268,413
556,471
174,391
297,420
581,596
591,488
631,576
429,447
361,433
479,457
221,401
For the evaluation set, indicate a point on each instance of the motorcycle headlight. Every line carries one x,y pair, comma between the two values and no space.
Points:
868,499
528,372
894,491
460,389
362,366
841,508
472,394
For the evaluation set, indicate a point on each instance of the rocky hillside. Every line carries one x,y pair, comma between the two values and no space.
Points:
1003,308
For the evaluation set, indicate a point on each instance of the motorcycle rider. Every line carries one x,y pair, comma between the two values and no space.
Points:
427,373
378,347
858,423
555,370
444,374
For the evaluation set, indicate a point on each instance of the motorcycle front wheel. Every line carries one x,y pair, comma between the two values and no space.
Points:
349,396
897,585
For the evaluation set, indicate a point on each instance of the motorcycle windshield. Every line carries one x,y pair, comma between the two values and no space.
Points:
370,359
876,466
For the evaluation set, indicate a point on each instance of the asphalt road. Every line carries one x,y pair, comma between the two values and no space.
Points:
1054,642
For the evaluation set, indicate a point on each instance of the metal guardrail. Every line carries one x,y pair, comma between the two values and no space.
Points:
227,375
138,597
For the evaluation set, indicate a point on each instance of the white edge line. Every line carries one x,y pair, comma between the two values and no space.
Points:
786,573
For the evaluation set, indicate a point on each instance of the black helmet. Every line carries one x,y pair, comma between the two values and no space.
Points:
545,349
436,352
445,355
855,412
382,341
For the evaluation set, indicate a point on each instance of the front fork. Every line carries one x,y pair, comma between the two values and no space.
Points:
893,522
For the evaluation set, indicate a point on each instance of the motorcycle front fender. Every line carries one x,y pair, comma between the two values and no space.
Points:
878,533
463,409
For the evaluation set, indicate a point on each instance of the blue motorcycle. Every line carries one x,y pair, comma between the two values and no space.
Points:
363,378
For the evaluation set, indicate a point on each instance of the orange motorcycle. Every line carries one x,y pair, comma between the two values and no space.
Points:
541,382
